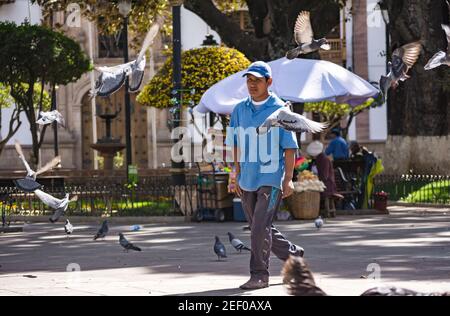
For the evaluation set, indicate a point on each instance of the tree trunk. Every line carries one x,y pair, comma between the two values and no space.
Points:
419,109
420,106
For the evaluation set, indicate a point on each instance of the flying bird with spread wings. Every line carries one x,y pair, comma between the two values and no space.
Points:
304,37
45,118
113,78
441,58
290,121
403,59
29,184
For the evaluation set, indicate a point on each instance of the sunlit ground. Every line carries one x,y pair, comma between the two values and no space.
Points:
407,248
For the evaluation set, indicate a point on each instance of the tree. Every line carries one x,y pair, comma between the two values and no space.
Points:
32,55
201,68
273,20
419,109
334,113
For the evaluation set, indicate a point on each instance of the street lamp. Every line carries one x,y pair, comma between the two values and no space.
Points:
382,5
124,10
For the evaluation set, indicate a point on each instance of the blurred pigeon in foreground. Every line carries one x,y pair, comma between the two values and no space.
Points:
403,59
304,37
237,244
59,205
68,227
29,184
126,244
290,121
219,249
318,222
112,78
102,231
50,117
299,281
441,58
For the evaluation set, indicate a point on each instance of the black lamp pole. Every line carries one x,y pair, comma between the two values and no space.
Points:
178,176
129,153
55,124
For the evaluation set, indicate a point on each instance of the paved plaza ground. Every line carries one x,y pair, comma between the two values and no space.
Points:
411,246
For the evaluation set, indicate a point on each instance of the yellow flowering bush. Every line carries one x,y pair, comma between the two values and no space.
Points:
201,68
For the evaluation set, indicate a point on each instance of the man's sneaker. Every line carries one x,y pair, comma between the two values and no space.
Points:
255,284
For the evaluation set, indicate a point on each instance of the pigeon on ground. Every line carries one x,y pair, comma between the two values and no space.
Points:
68,228
112,78
45,118
299,281
290,121
441,58
219,249
318,222
29,184
237,244
403,59
103,231
59,205
304,37
126,244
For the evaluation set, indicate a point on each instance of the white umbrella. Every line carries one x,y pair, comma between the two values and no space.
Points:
298,80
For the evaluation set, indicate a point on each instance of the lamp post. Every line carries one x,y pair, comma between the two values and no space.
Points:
178,176
382,5
125,9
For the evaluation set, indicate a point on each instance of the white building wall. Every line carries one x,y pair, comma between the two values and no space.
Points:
193,33
376,34
194,30
18,12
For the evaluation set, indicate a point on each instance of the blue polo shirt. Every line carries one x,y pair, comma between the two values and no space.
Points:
338,148
262,156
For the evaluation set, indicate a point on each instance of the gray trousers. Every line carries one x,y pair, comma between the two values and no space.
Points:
260,208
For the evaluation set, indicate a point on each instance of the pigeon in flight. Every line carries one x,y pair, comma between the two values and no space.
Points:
441,58
45,118
112,78
403,59
304,37
59,205
29,184
237,244
126,244
318,222
219,249
290,121
68,228
103,231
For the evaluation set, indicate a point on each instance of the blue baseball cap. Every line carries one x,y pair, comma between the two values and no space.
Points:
259,69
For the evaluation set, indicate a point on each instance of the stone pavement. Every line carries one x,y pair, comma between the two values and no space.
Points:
411,247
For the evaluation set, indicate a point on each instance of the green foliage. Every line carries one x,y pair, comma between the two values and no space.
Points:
5,97
32,53
431,193
201,68
334,113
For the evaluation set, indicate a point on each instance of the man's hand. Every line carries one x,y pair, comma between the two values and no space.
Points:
238,191
288,188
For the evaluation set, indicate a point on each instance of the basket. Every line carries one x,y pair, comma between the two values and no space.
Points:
304,205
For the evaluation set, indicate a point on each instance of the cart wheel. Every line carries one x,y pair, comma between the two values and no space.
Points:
198,216
219,215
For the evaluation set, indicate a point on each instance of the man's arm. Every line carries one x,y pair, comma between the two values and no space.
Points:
237,166
289,164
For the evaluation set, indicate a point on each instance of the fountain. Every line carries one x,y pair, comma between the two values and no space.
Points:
108,146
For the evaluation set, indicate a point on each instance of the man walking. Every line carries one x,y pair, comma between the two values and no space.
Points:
264,167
